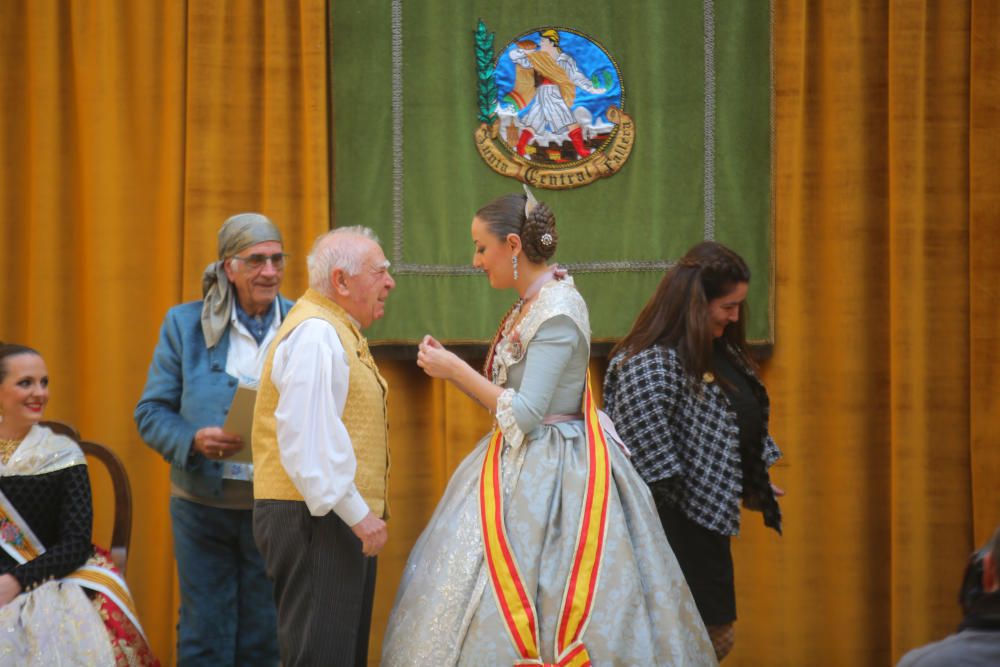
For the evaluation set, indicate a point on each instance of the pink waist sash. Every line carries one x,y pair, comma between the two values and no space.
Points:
560,419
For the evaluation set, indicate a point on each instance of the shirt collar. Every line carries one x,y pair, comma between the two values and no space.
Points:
234,318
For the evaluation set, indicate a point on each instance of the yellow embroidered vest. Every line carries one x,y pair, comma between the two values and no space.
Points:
364,413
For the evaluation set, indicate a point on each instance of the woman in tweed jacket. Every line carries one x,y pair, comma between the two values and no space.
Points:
684,395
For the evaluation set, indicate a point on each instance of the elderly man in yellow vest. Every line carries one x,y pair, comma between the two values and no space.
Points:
321,455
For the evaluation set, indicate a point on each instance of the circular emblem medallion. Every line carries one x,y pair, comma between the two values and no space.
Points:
551,109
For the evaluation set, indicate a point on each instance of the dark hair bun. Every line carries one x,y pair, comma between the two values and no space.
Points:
538,234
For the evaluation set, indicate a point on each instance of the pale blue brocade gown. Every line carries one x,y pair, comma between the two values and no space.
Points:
445,612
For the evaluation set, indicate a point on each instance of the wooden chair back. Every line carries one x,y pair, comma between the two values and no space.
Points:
121,534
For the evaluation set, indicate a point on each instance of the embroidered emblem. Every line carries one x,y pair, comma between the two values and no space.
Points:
551,109
11,533
516,349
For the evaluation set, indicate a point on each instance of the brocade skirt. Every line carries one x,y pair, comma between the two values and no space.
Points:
445,611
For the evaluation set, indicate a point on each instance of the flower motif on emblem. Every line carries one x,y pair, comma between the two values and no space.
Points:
515,346
10,533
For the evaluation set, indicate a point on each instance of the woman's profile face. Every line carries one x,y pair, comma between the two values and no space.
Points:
492,256
726,309
24,391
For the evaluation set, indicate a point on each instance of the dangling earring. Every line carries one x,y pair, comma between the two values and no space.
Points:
513,260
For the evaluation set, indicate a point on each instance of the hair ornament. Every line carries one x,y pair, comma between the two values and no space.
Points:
531,203
546,239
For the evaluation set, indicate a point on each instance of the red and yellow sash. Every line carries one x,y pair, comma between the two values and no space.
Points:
16,537
97,574
514,600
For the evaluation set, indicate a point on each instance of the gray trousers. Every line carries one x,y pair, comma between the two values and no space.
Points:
323,584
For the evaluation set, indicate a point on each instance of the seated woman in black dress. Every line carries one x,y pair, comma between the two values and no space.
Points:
61,600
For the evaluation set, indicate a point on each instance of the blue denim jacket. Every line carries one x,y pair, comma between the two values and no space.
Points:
187,389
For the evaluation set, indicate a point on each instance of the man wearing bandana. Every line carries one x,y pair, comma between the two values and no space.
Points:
206,350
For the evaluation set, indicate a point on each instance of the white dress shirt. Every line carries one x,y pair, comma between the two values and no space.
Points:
245,359
311,372
245,362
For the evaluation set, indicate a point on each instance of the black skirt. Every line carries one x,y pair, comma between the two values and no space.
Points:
706,561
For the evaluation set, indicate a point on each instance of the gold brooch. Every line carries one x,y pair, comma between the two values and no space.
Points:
708,377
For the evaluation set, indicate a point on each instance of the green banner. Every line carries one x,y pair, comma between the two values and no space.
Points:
695,80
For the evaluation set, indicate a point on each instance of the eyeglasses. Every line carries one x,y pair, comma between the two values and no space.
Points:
255,261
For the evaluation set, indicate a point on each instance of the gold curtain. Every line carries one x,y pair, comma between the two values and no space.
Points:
984,265
871,373
131,130
92,194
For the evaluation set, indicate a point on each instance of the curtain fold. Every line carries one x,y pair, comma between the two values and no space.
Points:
928,313
984,266
91,194
257,127
829,375
132,130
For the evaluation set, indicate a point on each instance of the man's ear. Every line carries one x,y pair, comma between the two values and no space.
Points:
990,582
227,266
338,281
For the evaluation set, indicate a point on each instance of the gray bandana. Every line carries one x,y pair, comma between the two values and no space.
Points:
238,232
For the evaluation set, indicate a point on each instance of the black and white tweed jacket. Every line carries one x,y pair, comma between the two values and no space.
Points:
685,431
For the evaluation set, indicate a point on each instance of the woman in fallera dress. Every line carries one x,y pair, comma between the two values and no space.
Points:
62,602
546,546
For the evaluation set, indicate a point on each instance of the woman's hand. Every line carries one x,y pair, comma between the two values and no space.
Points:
10,588
436,360
440,363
